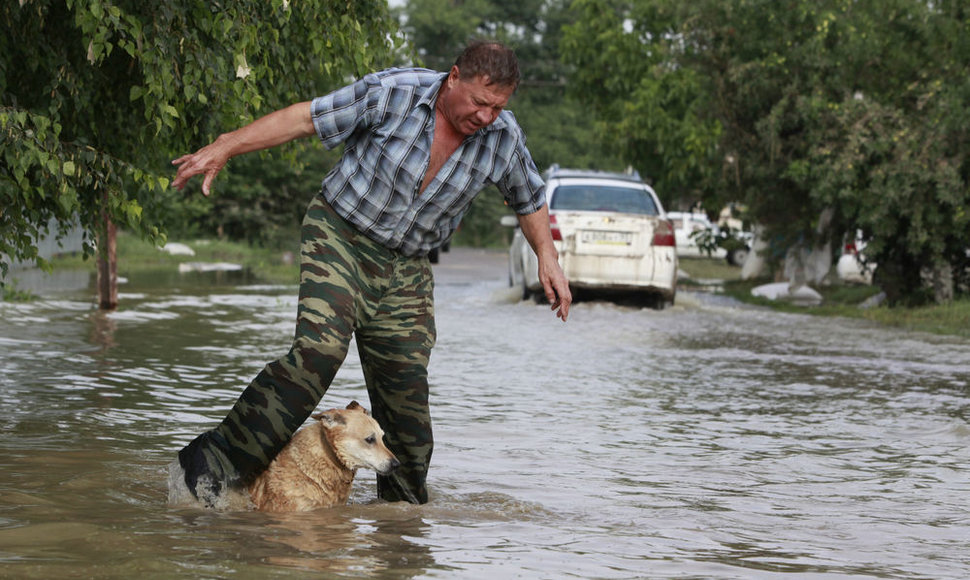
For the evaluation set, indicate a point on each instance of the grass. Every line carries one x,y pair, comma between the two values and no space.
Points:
837,300
9,292
136,255
700,270
952,318
268,265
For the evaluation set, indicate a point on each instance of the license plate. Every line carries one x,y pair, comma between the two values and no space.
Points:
607,238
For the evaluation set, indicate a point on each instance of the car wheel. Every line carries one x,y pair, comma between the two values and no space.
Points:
526,293
737,256
653,301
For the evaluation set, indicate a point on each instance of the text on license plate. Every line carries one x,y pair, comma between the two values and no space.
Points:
608,238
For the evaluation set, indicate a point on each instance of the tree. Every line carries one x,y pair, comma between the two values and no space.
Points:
803,108
653,111
97,96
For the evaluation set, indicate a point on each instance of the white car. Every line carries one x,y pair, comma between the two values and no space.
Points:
611,234
732,244
686,228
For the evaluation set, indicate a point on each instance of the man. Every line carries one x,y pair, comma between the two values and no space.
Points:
419,145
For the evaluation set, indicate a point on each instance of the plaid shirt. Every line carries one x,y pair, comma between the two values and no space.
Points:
386,120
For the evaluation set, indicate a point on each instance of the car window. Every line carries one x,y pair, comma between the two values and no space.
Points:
603,198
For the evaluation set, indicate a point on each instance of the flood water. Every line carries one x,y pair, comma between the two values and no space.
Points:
708,440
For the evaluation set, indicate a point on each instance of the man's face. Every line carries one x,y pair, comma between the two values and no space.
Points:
472,104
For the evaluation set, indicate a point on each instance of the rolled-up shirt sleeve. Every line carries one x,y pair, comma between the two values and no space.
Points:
337,115
522,185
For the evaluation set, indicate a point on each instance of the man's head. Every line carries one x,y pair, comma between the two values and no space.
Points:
489,59
479,86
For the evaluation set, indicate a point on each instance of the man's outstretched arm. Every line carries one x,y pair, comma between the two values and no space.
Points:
283,126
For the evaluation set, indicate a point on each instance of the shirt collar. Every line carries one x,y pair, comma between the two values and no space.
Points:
431,93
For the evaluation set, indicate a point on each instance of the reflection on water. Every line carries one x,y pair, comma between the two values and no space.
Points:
704,441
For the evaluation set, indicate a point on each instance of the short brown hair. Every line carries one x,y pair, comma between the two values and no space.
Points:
491,59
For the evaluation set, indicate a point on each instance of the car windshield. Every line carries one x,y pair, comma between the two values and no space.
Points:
603,198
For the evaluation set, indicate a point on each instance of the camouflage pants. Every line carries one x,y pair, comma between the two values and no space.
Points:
350,286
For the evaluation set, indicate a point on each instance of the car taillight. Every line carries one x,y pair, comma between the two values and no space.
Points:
554,227
663,234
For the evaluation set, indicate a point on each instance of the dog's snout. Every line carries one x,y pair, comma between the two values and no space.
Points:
393,464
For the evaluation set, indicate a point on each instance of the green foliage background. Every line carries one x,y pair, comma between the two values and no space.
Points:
97,96
795,107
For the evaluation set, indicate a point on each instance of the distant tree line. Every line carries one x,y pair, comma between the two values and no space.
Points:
98,96
821,117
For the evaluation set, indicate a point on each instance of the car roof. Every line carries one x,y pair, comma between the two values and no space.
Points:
556,172
690,214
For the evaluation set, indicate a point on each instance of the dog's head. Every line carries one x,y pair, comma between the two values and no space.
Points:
357,439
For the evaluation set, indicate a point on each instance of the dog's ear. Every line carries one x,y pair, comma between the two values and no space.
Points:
330,418
355,405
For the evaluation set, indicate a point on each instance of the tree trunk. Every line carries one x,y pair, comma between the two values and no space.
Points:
899,277
107,266
754,265
943,284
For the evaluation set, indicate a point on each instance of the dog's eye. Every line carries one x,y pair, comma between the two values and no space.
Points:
371,440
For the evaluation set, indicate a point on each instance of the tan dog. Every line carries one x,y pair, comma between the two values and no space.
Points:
317,467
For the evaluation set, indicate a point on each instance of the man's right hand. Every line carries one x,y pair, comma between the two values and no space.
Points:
535,228
274,129
208,161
